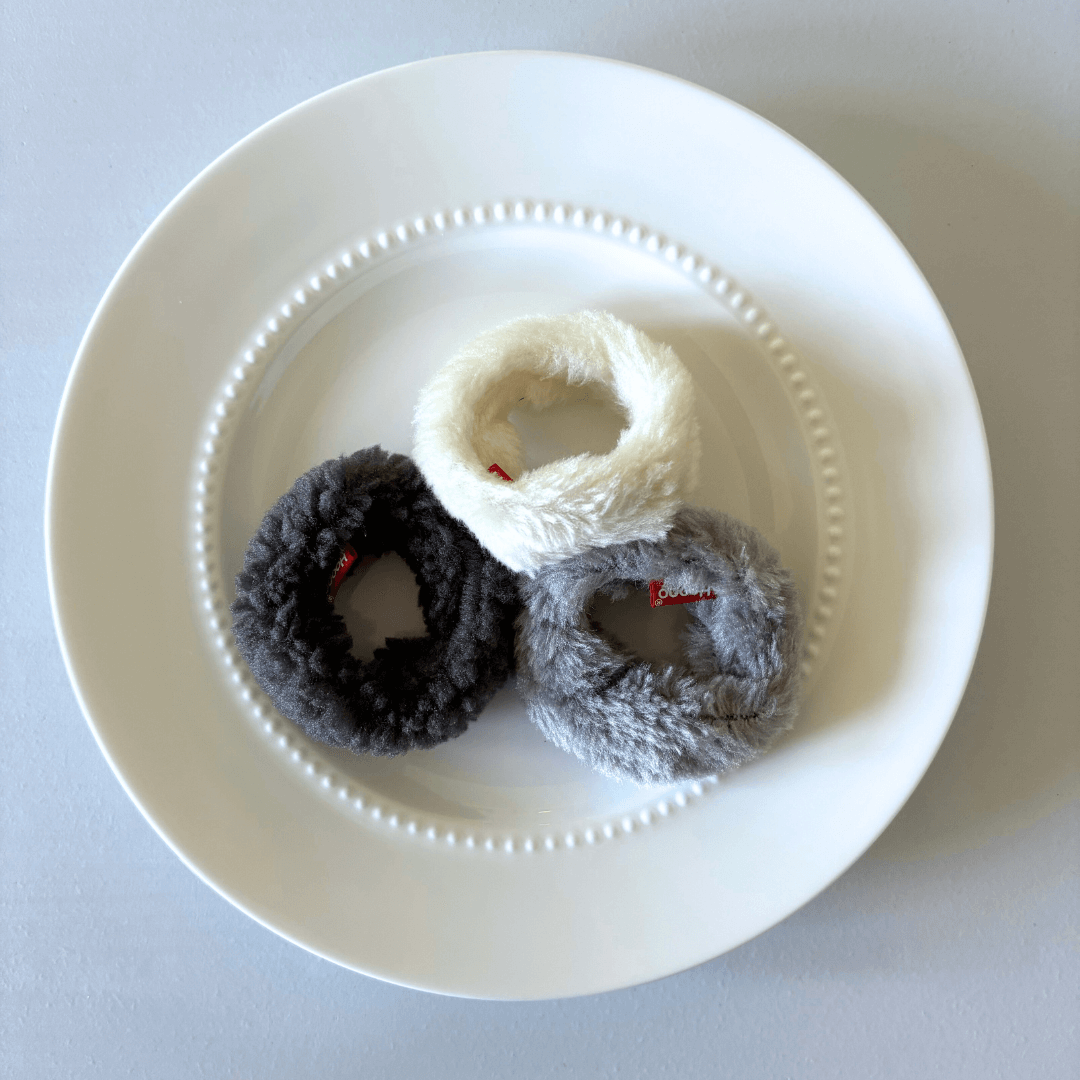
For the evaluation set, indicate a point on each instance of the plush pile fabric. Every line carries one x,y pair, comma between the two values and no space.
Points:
735,690
564,508
416,692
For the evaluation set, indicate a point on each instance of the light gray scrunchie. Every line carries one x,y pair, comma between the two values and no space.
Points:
733,693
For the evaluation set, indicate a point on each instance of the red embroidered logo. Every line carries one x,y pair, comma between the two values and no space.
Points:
341,571
660,597
499,472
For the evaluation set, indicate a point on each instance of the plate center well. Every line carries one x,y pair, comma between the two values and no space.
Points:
347,378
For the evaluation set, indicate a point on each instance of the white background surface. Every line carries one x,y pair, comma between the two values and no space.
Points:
951,948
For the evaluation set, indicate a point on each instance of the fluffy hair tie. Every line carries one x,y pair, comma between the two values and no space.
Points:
416,692
735,689
566,507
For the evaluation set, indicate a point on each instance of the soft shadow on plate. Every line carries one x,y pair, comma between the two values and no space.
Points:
997,241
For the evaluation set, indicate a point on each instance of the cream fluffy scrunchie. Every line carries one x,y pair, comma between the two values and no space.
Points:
565,507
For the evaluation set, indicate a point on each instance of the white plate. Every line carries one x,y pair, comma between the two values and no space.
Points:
286,307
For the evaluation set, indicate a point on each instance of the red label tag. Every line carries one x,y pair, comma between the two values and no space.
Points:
344,565
341,571
660,597
499,472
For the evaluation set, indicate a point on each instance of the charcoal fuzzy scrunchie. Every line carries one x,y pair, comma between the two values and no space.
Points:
416,692
563,508
735,690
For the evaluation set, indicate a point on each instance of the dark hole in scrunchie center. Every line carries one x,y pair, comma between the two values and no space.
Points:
378,602
651,634
587,421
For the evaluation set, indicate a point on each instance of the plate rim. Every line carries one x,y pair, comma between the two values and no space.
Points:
148,237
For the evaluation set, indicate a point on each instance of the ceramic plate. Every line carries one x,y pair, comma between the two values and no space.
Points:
287,306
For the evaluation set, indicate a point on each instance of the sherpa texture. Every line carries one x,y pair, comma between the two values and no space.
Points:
566,507
736,689
416,692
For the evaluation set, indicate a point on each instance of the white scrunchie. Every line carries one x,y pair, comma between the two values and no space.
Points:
566,507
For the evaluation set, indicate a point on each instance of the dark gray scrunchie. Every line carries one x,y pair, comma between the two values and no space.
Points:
416,692
735,690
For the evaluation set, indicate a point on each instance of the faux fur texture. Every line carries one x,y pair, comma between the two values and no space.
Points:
735,690
566,507
416,692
